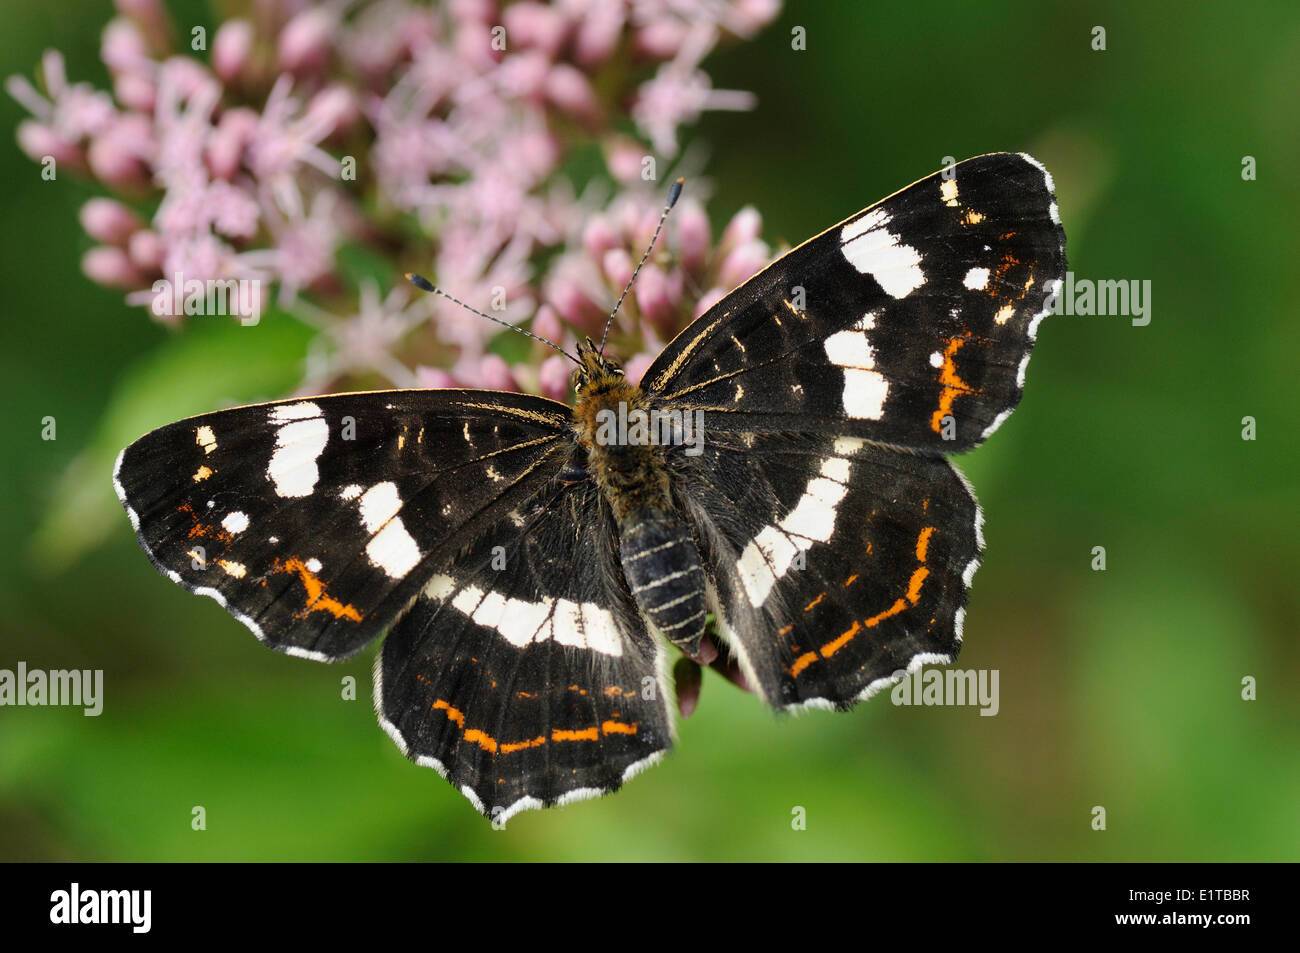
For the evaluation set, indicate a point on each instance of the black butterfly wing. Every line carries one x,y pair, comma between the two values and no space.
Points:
920,308
835,563
524,673
316,522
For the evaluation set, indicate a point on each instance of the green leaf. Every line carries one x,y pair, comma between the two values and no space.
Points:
213,364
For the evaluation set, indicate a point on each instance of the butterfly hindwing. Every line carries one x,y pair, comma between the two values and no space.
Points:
910,323
524,673
836,563
315,522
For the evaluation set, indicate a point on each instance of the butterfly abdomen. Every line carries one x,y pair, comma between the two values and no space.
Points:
660,562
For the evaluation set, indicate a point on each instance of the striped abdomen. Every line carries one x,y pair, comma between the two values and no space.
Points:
663,570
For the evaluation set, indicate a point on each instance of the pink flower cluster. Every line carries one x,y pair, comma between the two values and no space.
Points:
435,138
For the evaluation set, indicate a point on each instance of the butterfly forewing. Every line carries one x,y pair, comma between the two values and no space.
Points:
910,323
314,521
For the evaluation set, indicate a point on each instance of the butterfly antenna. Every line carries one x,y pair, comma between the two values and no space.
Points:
674,191
424,284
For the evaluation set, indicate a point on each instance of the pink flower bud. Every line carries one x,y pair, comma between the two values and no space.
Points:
109,265
335,108
535,26
38,140
547,325
617,265
709,299
636,366
662,39
743,262
656,298
226,145
146,251
135,91
152,19
744,226
114,158
750,16
623,158
694,236
232,48
599,237
189,76
123,48
495,374
305,42
553,377
566,292
599,33
568,89
109,221
524,74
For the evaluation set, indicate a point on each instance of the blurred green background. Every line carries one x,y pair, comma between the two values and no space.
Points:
1119,688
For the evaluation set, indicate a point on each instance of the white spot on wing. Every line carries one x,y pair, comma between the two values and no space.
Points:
865,389
977,279
284,413
582,625
948,191
391,547
771,553
299,442
378,505
874,250
206,439
235,522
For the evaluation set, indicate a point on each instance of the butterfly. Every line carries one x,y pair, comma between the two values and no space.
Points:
777,482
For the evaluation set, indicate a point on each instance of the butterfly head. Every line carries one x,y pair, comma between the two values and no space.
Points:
596,373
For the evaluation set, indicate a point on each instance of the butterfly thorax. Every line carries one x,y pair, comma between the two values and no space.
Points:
615,427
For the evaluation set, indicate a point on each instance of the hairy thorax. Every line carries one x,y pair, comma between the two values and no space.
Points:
630,473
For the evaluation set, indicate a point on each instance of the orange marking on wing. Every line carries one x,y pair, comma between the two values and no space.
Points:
318,600
453,714
613,690
202,473
912,597
201,528
914,584
952,384
522,745
880,617
785,630
618,728
802,662
484,741
809,607
830,648
586,734
923,543
851,580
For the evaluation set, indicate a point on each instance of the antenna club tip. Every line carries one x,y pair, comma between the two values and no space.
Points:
419,281
675,191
